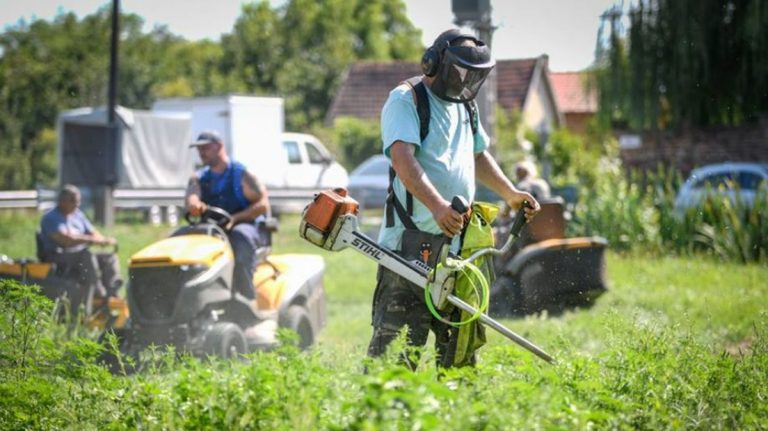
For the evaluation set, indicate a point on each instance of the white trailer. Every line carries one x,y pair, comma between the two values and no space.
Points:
253,132
250,126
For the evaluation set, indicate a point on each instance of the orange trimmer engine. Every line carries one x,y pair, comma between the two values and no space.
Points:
324,216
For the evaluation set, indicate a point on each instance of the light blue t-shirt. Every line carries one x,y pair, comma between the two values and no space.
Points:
447,155
54,221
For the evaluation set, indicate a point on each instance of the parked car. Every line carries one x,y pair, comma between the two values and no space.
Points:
724,180
369,182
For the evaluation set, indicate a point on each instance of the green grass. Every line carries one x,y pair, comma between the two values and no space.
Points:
676,342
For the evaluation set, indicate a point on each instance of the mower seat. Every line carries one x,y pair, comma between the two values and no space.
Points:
39,246
549,223
545,270
266,227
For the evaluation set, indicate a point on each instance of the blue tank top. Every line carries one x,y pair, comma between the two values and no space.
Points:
225,189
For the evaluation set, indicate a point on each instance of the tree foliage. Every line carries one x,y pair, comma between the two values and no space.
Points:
301,49
298,50
688,62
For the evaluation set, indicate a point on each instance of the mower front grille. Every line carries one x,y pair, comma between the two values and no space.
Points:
155,290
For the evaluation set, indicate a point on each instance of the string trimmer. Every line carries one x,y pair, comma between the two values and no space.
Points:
330,222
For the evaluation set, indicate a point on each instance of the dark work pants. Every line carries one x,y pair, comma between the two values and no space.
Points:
245,239
396,303
96,274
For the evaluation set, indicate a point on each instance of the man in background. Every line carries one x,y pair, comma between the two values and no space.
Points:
65,238
528,180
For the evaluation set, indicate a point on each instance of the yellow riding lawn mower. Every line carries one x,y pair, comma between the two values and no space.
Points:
180,293
59,283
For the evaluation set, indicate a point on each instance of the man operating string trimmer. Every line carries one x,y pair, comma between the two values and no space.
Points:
437,147
428,171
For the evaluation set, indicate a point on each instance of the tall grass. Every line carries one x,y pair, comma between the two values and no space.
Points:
636,212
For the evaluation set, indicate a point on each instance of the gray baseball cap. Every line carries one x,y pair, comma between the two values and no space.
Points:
207,137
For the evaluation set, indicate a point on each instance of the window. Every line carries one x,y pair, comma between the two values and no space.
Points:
315,156
292,149
715,181
750,180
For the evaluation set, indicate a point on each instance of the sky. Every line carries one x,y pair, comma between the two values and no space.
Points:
565,30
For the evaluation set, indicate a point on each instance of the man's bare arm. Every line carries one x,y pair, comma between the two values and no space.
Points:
257,195
71,240
416,181
192,201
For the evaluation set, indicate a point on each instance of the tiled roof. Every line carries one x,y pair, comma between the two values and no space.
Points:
366,86
513,78
571,93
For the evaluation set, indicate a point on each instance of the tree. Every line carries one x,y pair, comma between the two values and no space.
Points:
49,67
698,62
300,50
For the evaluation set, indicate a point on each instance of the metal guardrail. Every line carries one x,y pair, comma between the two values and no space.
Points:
18,199
282,200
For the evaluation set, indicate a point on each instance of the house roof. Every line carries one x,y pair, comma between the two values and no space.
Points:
513,79
366,86
571,92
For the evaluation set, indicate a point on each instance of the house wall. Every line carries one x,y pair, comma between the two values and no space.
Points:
691,148
577,122
539,111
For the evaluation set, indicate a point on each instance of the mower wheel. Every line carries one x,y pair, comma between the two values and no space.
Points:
296,319
225,339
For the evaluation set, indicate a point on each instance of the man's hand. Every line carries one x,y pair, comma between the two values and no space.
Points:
96,238
194,205
196,208
107,240
450,221
517,199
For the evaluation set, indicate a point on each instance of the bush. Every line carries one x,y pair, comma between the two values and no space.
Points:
638,213
356,140
618,209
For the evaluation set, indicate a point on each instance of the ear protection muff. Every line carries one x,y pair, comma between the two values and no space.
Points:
430,61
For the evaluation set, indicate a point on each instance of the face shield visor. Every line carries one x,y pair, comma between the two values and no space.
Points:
462,72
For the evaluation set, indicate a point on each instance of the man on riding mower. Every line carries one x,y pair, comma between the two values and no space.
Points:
64,239
228,185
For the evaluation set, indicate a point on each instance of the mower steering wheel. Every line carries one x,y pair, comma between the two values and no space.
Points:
214,215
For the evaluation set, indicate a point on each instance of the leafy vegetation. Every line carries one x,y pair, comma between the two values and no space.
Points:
356,139
675,343
689,62
637,212
297,50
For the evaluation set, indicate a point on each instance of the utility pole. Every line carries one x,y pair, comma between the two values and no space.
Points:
477,14
104,208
